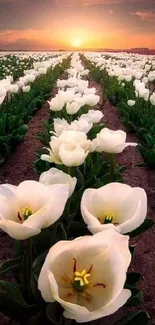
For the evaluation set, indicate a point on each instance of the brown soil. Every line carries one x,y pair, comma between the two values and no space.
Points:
19,167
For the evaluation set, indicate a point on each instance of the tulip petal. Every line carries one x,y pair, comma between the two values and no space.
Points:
52,210
18,231
106,311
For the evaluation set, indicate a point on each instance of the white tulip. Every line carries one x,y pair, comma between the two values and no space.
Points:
72,108
61,83
42,71
56,176
131,102
26,89
95,116
91,99
66,96
90,91
29,207
13,89
152,99
70,148
115,206
60,125
2,99
30,78
81,125
111,141
87,275
2,91
56,104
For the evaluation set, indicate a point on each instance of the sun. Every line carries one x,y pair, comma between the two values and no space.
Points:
76,42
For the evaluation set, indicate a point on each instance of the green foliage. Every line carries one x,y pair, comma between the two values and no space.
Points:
15,113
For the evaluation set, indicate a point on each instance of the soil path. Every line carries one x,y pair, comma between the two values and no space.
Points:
144,262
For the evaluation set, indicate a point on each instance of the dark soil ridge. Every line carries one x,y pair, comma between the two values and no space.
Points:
144,261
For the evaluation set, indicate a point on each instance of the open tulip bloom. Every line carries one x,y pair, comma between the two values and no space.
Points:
87,275
71,148
29,207
114,206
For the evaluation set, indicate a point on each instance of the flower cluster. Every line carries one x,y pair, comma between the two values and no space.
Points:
84,271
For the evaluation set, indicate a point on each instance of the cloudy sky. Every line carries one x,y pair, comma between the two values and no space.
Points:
63,24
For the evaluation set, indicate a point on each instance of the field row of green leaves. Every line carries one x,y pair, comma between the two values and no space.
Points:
16,113
139,118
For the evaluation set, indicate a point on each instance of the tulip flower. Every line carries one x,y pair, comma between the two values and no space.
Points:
87,275
72,108
56,176
115,205
70,148
26,89
93,116
131,102
111,141
56,104
29,207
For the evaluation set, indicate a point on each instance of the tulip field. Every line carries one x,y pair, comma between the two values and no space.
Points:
77,161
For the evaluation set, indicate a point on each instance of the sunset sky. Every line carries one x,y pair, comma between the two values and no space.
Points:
67,24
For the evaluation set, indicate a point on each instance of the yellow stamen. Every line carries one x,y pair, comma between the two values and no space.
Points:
107,218
82,277
27,212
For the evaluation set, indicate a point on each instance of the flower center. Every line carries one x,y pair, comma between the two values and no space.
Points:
25,213
107,218
80,281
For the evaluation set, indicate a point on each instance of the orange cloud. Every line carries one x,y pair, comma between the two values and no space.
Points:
146,15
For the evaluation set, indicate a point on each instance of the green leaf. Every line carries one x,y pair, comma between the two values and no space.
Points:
13,292
54,313
80,179
132,251
133,278
11,265
136,297
147,224
140,318
38,263
78,229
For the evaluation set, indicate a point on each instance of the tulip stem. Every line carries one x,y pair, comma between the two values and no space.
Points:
27,265
69,171
112,167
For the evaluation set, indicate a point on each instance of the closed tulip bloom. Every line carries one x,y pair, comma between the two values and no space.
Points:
115,205
131,102
29,207
91,99
87,275
72,108
56,104
13,89
111,141
26,89
56,176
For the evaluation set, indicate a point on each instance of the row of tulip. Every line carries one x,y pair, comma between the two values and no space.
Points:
132,95
9,86
14,64
19,106
72,227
